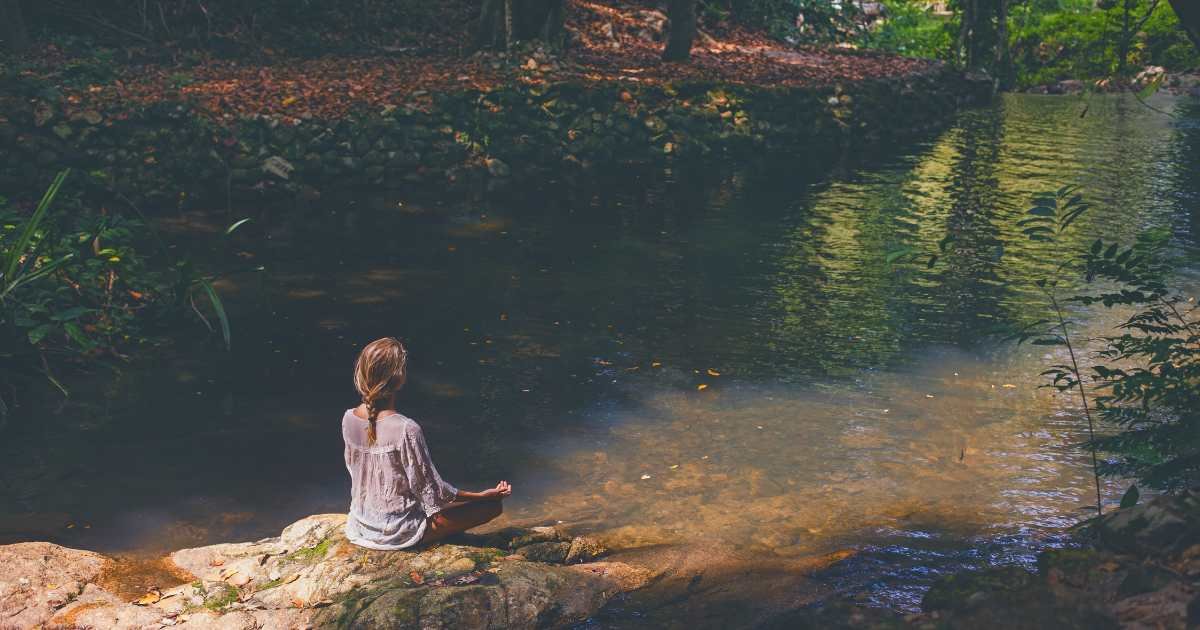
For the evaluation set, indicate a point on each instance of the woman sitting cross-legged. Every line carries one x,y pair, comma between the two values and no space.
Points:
397,497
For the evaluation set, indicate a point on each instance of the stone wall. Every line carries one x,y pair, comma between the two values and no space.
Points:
169,149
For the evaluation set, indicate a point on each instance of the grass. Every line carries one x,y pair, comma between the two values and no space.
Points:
217,601
311,554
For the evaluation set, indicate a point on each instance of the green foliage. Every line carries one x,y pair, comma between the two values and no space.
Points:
1085,42
73,281
912,29
1049,40
820,20
1150,375
1146,380
78,286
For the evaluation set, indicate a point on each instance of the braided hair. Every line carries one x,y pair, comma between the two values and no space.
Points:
381,368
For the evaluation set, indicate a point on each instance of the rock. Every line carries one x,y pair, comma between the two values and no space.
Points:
553,552
626,577
37,578
839,614
311,576
1163,525
42,113
98,608
497,168
584,549
278,167
655,125
46,157
1070,86
963,590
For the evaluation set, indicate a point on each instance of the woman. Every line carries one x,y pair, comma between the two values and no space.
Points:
397,498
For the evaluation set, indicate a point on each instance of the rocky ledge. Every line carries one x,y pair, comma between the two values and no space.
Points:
311,576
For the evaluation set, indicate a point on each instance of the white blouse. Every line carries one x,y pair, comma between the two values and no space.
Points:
394,486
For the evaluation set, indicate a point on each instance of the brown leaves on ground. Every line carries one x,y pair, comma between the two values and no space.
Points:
611,40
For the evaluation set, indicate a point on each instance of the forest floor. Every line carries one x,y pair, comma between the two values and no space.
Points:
609,40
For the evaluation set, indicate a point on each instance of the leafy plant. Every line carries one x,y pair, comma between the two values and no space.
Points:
1050,216
1150,378
808,20
911,28
1147,377
77,286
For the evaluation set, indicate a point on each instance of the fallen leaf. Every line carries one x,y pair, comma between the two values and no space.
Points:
216,562
289,101
463,580
227,573
674,466
51,586
1009,386
656,364
417,578
291,578
712,372
151,597
644,477
701,387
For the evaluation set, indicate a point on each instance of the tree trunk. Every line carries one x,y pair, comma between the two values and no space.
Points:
1002,57
1188,12
12,26
966,34
1126,37
681,30
505,22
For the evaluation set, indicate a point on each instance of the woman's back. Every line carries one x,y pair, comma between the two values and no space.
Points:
394,484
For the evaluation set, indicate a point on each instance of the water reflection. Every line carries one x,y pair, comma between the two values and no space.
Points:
559,336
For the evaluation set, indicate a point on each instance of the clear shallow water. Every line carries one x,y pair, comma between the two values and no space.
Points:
559,336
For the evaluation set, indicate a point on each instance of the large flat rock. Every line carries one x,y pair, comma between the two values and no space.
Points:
311,576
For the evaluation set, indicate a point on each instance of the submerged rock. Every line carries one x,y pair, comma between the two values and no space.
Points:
1140,568
311,576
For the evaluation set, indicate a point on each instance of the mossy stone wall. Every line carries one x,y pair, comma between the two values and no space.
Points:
170,151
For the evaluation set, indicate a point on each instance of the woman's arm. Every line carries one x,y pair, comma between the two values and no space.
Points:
501,490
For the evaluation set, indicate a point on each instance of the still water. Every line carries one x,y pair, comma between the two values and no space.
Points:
717,366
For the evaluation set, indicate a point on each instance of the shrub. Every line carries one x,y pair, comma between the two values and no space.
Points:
910,28
1085,43
78,286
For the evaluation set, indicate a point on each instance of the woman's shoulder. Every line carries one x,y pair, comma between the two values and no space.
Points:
388,416
390,427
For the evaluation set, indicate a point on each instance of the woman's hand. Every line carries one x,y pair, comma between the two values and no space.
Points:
501,491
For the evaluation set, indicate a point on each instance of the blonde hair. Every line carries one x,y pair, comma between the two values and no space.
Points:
381,368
